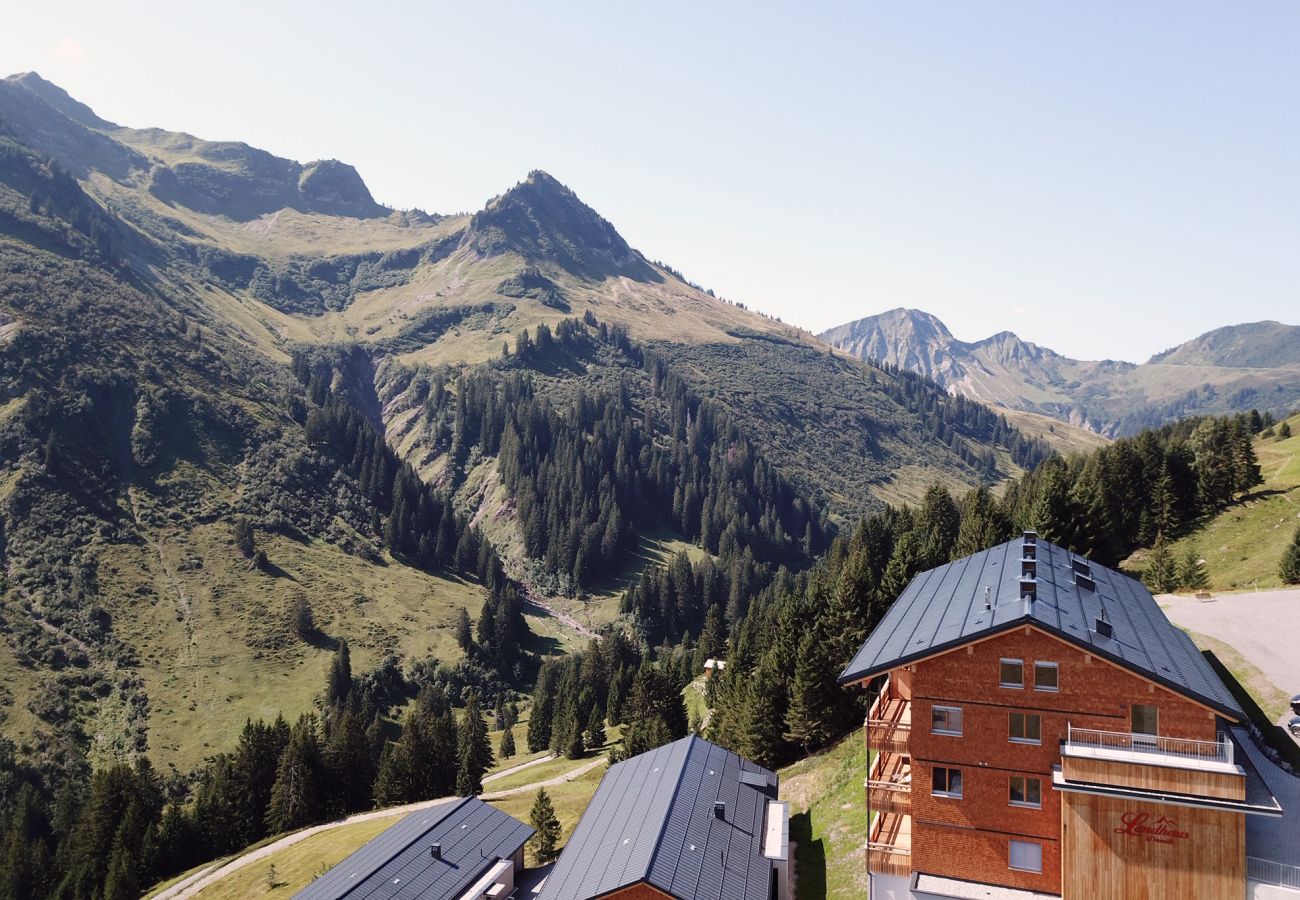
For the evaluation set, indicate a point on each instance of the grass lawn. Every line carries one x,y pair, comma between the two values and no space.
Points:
1242,546
297,865
828,819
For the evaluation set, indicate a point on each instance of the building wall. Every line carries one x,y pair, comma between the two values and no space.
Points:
1106,859
969,838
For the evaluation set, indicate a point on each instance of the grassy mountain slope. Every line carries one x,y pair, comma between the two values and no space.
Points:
1230,369
154,288
1242,545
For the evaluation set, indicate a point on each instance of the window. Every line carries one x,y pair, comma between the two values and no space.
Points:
1026,856
1026,728
945,782
945,720
1026,791
1012,673
1146,719
1046,676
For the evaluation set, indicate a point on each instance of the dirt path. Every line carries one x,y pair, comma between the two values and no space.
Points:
191,886
559,615
513,769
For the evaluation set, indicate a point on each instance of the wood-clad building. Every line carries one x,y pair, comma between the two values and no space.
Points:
1040,726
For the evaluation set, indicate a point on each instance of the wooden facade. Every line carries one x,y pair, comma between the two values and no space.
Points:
1150,851
1225,785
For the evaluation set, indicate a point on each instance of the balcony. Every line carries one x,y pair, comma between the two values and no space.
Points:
1149,749
889,848
889,784
889,724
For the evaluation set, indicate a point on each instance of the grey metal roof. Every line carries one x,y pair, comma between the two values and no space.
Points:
945,608
652,820
397,864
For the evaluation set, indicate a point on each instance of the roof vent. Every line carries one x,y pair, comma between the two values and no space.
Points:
1103,626
435,851
720,810
988,598
1028,567
1031,538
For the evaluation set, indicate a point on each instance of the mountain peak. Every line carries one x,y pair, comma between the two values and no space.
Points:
60,99
544,221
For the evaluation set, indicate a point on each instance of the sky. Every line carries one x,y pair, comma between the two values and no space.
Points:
1107,179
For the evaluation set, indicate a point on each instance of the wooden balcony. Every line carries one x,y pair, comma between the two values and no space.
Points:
889,724
889,784
889,849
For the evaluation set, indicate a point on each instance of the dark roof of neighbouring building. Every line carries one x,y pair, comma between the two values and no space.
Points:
652,820
398,864
945,608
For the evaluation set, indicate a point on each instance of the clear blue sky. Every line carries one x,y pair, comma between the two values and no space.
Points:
1107,179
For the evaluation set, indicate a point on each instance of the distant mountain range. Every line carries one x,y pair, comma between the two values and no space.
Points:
1254,365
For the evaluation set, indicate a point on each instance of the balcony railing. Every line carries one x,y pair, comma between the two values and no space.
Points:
890,796
1265,871
889,724
1120,743
889,849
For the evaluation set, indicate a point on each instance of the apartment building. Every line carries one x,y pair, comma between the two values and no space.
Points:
1039,729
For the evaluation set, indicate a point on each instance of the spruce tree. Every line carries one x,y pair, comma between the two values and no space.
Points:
1284,431
1290,568
1191,571
464,630
339,683
807,720
507,748
473,752
1161,574
544,821
595,734
297,798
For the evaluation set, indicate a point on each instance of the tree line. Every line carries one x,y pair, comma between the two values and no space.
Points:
642,451
128,826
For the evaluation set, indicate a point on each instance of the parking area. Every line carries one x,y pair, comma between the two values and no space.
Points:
1263,628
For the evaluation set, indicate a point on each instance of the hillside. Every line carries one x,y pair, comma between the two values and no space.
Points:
1231,369
1243,544
199,334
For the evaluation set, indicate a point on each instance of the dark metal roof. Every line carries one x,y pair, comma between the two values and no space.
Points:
945,608
652,820
398,865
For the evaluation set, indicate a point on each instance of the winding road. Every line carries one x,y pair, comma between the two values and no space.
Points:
192,885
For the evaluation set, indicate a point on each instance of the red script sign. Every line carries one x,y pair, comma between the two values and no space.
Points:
1161,830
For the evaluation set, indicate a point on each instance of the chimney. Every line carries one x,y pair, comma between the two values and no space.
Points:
720,810
435,851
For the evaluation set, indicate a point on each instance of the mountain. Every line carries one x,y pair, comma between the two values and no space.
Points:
1231,369
247,412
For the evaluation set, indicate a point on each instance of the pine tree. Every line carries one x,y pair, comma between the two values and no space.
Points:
1284,431
339,683
544,821
507,748
297,798
1290,568
595,734
806,720
1161,574
1191,571
473,752
464,630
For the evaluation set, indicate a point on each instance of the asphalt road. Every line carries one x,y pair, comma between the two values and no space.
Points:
1263,627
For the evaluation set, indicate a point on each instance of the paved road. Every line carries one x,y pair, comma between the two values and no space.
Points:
191,886
1263,627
